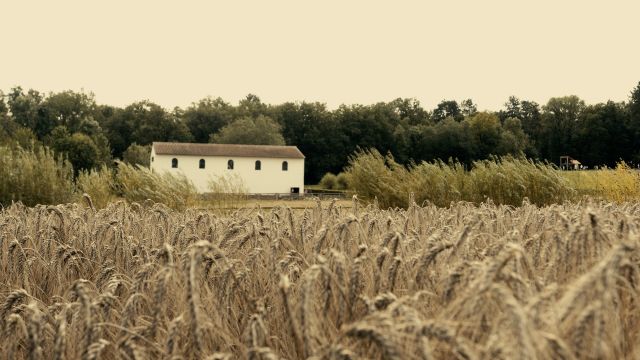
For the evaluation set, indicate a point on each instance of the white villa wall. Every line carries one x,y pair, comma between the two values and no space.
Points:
270,179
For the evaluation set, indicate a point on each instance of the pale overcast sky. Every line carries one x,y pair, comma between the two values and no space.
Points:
332,51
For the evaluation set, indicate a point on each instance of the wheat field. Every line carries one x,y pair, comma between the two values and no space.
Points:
138,281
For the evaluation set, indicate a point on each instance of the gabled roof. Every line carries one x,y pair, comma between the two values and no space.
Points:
237,150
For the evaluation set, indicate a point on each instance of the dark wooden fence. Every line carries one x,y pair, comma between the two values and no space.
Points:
322,195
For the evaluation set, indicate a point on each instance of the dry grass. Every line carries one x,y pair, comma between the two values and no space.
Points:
137,281
137,183
99,185
508,181
34,176
619,184
268,204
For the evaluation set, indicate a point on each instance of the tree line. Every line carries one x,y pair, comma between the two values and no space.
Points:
89,134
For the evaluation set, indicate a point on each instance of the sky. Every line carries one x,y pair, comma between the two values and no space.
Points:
332,51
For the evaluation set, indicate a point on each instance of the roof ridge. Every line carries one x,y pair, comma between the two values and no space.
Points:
204,144
240,150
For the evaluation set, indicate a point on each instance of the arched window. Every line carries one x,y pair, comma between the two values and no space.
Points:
174,163
285,166
230,164
201,164
258,165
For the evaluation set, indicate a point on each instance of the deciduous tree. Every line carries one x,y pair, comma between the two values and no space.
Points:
259,131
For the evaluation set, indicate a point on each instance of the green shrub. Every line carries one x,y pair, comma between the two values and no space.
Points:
329,181
136,183
34,177
342,181
137,155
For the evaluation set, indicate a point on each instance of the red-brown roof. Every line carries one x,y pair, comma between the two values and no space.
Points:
264,151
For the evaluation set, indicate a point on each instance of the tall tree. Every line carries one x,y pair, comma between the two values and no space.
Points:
137,155
411,111
486,134
368,127
559,121
206,117
530,118
79,148
454,140
512,109
259,131
70,109
11,133
143,122
513,139
602,136
447,108
25,110
317,133
468,108
118,127
634,122
76,112
528,112
4,109
154,123
251,106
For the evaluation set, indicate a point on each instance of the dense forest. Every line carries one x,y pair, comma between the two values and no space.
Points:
89,134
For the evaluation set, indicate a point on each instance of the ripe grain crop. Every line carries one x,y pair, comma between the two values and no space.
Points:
140,280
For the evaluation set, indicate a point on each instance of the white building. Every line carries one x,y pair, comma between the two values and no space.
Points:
264,169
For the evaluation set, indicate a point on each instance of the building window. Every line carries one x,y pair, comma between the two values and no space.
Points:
258,165
174,163
201,164
152,159
285,166
230,164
